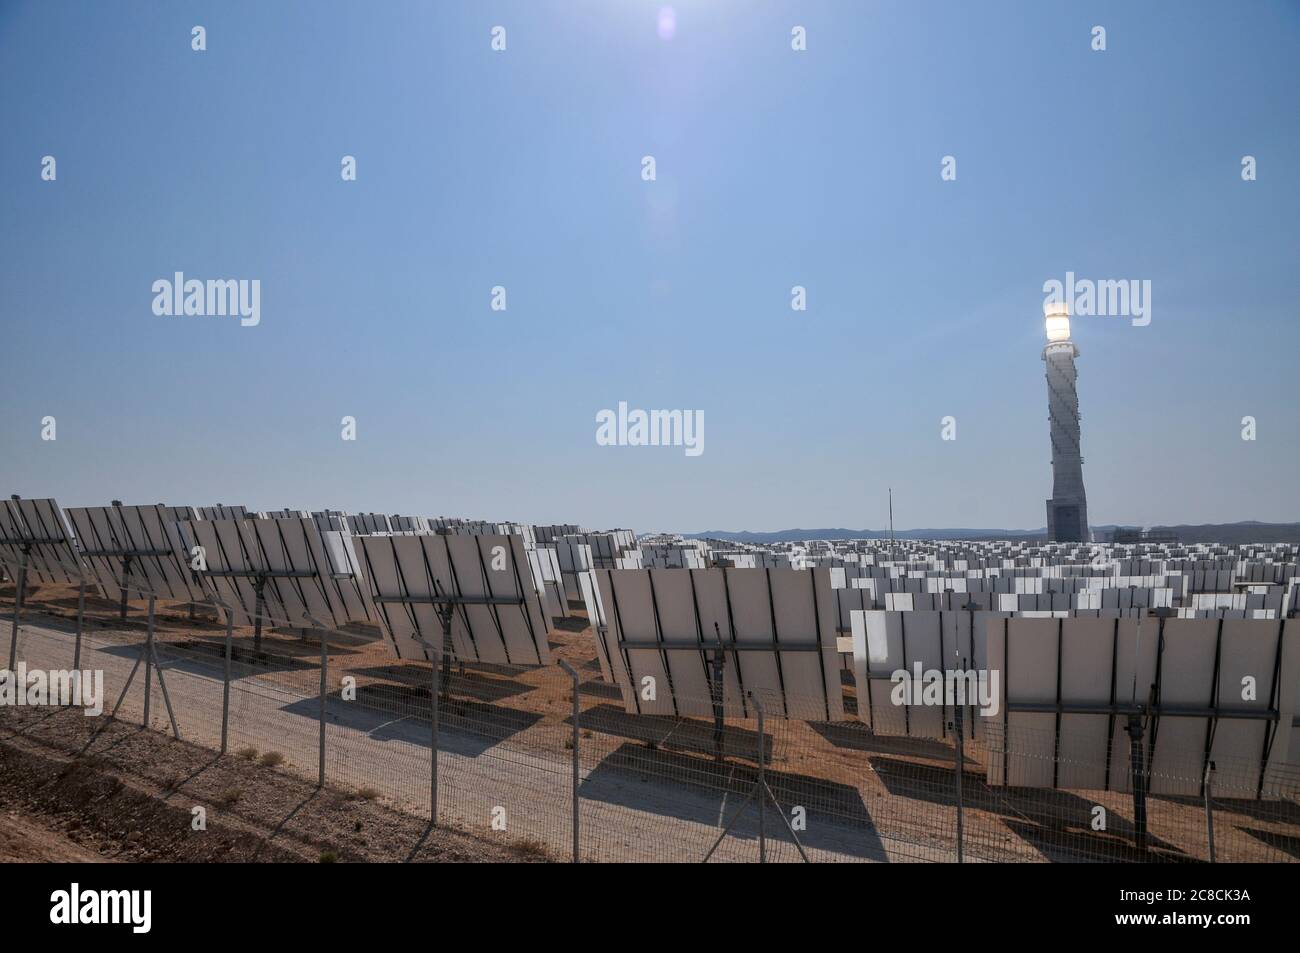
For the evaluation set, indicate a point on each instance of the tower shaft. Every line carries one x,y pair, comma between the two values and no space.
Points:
1067,510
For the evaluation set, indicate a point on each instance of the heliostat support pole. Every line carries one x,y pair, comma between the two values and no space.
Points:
81,621
1137,768
762,787
717,667
959,756
433,745
1209,810
762,792
431,651
324,631
148,662
151,659
446,652
324,665
444,679
225,681
258,586
162,684
122,606
577,708
18,606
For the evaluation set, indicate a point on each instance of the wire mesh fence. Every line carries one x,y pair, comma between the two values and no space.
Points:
649,788
1226,809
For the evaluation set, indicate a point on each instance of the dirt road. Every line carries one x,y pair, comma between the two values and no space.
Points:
483,783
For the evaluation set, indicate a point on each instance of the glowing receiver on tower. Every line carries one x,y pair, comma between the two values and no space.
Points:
1067,510
1058,322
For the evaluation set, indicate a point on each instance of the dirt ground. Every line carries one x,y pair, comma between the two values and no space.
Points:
25,840
900,787
132,796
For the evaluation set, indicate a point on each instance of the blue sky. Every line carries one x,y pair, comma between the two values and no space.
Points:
775,168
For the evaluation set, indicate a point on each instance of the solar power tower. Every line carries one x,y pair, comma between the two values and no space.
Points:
1067,510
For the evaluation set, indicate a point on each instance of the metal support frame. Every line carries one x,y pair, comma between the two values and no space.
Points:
1137,769
148,663
122,607
25,545
324,687
1056,731
577,761
81,621
762,793
1211,724
446,616
1153,721
1142,717
971,608
259,602
126,555
149,656
225,679
21,582
441,600
259,577
1209,810
324,668
434,703
902,634
1270,731
717,687
1150,709
959,757
762,781
162,682
745,646
445,607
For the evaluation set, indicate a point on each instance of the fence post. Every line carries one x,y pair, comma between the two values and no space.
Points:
1209,810
225,680
81,616
18,606
122,606
148,660
259,586
434,653
323,631
577,709
433,742
1137,770
959,757
162,682
443,680
324,666
762,783
717,691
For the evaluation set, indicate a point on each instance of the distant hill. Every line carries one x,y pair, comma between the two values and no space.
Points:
1248,531
794,535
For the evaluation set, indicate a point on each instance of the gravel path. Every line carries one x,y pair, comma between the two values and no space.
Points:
625,816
